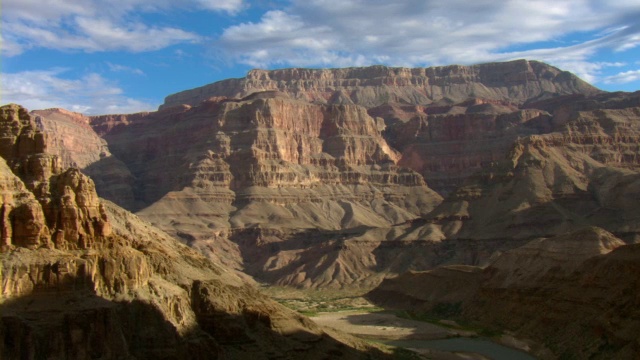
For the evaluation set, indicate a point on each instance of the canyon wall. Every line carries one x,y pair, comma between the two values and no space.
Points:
516,81
277,173
335,177
83,278
556,182
206,173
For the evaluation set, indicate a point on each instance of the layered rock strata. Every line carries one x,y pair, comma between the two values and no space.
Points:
519,149
265,161
43,205
516,81
83,279
552,183
448,122
289,151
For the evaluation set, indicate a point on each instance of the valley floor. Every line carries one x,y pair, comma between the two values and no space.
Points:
348,311
428,341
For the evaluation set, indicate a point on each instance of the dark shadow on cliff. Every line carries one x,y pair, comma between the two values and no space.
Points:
72,321
114,182
316,250
318,253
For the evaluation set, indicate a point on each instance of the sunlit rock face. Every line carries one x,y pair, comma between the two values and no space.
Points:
72,139
268,154
43,204
447,122
517,82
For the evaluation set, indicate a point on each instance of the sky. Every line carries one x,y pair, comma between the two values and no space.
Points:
124,56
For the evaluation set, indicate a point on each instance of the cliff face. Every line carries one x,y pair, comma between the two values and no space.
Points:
81,278
450,143
448,121
552,183
517,81
43,205
572,294
266,161
71,138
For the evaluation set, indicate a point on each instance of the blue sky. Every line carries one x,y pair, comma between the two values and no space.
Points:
122,56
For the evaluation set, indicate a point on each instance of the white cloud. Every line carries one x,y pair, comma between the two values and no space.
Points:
96,25
91,94
230,6
103,34
623,77
123,68
424,33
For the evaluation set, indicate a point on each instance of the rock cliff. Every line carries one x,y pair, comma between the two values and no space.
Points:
276,174
266,161
82,278
517,81
72,139
448,122
250,170
556,182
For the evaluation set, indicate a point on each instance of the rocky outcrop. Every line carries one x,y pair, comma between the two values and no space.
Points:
72,139
517,81
572,294
81,278
42,204
139,293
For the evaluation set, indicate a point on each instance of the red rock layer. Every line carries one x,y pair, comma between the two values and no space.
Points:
269,152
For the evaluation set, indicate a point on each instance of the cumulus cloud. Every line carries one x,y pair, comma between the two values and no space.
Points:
90,94
95,25
424,33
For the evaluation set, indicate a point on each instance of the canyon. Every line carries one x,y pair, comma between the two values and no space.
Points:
83,278
454,187
341,177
